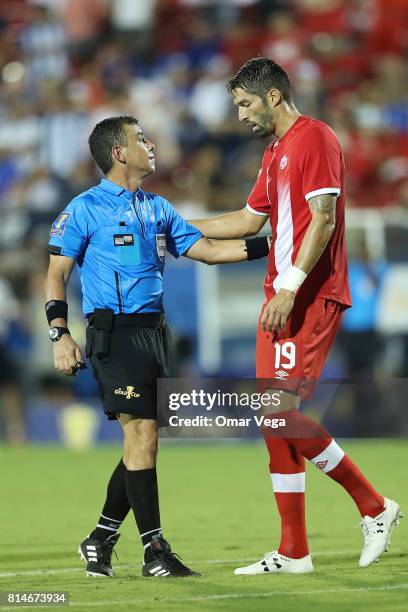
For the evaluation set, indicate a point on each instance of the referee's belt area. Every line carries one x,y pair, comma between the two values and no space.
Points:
103,321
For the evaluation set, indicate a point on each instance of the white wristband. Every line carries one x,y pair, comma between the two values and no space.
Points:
293,279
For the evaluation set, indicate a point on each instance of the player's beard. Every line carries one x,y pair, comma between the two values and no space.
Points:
265,122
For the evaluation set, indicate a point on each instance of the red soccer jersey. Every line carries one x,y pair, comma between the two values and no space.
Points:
305,162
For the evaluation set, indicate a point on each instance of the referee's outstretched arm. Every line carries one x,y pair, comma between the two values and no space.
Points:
67,354
236,224
228,251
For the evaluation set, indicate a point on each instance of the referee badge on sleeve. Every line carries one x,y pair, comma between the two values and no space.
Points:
59,225
161,246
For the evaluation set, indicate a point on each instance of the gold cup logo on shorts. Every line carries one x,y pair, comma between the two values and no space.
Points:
130,394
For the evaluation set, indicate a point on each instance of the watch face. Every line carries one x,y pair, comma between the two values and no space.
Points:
53,333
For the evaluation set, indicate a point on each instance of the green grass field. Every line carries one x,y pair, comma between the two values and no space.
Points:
218,512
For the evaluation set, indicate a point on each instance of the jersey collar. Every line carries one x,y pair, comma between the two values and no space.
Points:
114,188
295,126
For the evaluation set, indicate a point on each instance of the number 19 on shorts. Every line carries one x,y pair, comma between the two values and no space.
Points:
285,355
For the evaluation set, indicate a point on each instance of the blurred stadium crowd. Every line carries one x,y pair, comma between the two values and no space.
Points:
65,64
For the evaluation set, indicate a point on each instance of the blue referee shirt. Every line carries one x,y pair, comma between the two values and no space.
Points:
119,239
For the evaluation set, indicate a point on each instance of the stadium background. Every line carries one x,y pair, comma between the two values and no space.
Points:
65,64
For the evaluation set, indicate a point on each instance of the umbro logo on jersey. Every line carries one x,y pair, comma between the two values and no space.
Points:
283,162
281,374
321,464
129,392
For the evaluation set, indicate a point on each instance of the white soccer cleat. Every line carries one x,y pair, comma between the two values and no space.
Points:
377,532
275,563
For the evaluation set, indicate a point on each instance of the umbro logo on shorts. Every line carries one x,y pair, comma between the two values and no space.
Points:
281,374
129,392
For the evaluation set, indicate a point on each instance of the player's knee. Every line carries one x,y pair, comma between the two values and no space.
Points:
281,401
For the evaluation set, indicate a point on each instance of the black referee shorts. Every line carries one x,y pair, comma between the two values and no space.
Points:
140,352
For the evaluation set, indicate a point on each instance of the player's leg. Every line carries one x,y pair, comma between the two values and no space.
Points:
379,514
141,441
313,331
287,469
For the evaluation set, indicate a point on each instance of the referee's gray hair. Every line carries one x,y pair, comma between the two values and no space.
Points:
107,134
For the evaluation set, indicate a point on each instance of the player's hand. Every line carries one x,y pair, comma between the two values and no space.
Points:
277,311
67,356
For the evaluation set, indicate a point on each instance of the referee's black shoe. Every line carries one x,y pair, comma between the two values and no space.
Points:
161,562
98,555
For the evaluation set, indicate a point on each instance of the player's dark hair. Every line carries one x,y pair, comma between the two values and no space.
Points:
260,74
107,134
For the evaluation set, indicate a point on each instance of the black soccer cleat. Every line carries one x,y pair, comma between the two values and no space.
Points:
98,555
161,562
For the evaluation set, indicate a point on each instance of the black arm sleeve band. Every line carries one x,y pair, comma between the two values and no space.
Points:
257,247
56,309
54,250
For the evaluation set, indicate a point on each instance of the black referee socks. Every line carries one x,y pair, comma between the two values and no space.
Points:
142,492
116,505
136,489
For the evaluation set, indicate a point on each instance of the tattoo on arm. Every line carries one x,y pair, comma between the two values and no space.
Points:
321,227
324,204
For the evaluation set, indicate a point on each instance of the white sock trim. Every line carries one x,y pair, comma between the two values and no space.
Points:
151,531
329,458
288,483
107,518
105,527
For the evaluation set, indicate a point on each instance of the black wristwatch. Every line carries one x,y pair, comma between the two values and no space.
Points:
55,333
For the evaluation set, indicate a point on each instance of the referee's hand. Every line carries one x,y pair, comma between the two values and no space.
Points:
67,356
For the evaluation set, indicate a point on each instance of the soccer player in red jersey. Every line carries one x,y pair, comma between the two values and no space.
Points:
300,189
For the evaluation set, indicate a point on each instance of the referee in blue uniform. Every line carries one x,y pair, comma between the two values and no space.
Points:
118,236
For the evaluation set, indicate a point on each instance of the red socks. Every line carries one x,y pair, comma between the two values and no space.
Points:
303,437
346,473
318,446
287,469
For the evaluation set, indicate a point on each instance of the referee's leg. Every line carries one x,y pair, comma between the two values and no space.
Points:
139,457
140,439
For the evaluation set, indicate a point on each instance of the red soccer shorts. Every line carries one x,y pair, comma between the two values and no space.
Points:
294,358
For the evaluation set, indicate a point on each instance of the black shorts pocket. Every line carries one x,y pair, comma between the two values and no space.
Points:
89,339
